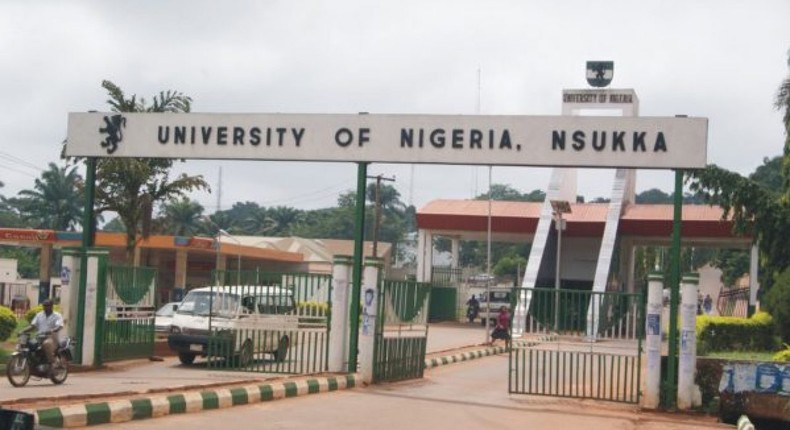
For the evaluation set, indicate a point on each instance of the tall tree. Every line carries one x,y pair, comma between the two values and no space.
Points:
757,209
132,187
55,201
182,217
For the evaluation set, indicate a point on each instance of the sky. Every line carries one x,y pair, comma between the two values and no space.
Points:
722,60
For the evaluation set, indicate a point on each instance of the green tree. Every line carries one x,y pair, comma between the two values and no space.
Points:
55,202
182,217
653,196
758,210
131,187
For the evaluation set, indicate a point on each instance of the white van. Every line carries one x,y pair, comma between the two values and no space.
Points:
253,318
489,307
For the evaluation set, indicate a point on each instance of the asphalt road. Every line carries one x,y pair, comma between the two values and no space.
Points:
140,376
469,395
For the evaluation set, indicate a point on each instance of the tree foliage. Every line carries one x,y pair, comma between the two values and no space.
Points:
132,187
55,202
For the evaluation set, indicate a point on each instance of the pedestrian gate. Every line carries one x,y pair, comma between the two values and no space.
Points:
401,330
582,344
128,329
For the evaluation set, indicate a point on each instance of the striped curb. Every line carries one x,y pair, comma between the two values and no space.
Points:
159,405
471,355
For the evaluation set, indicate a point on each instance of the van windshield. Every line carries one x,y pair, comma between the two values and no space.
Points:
204,303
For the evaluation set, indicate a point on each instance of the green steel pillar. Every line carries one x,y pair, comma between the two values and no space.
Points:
356,271
670,384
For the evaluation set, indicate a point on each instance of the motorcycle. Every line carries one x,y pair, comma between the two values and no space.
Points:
472,312
29,360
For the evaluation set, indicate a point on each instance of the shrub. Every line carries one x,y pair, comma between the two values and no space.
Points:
31,313
7,323
735,334
783,355
777,302
313,308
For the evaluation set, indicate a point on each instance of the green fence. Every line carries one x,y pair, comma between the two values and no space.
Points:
128,316
443,305
588,345
274,323
401,331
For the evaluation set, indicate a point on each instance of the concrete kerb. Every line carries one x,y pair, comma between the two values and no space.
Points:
163,404
159,405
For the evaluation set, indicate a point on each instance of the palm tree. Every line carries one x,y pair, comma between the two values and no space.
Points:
259,223
55,201
182,217
131,187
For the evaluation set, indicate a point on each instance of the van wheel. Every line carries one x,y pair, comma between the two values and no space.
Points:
282,349
186,358
483,322
245,355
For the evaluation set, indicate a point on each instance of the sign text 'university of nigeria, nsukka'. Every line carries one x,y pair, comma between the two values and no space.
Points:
582,141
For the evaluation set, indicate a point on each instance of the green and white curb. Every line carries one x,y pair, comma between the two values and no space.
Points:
485,352
159,405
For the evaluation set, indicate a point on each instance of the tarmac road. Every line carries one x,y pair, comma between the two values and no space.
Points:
469,395
140,376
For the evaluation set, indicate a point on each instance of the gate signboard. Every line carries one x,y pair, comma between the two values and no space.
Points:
560,141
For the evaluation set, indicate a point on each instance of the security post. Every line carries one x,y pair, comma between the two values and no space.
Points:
369,304
338,333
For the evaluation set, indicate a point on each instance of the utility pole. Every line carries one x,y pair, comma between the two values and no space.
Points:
377,221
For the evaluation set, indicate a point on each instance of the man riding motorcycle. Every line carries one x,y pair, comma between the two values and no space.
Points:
50,323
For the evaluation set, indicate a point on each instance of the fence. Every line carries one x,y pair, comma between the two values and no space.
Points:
128,329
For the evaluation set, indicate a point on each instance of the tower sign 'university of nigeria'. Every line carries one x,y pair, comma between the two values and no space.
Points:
563,141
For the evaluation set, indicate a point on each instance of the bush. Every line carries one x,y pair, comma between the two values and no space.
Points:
7,323
31,313
777,302
735,334
313,308
783,355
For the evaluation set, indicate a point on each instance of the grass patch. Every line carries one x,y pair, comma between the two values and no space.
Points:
4,354
743,355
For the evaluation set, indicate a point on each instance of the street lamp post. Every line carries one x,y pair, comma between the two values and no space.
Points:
558,207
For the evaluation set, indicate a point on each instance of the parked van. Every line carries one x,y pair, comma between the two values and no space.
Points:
246,320
489,306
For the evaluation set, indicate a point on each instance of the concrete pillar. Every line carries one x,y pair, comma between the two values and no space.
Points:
180,275
339,330
93,314
369,301
754,277
455,246
69,289
44,261
655,307
687,360
424,255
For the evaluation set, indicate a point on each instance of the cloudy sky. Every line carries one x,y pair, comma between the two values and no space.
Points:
717,59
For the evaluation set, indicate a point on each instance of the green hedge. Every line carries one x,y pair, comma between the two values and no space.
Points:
783,355
31,313
7,323
735,334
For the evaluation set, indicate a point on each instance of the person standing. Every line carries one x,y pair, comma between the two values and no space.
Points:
502,329
49,323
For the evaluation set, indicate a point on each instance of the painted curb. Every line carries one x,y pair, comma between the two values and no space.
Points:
159,405
485,352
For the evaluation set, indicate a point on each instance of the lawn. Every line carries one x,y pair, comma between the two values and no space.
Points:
743,355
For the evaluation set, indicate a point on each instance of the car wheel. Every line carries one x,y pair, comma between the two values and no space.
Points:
245,355
282,349
186,358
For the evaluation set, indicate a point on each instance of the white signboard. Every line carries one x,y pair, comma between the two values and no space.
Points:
439,139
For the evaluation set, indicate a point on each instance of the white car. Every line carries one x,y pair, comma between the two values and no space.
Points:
164,317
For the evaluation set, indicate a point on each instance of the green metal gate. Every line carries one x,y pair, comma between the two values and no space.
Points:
583,344
128,314
401,331
288,332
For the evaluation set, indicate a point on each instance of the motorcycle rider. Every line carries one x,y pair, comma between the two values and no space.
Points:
473,308
50,323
